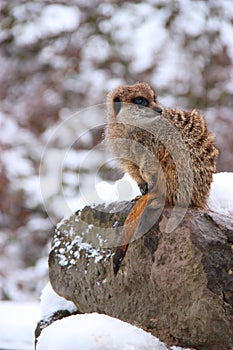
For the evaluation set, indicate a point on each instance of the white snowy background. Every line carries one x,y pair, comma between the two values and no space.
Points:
58,61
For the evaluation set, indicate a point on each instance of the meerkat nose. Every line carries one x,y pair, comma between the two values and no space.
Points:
158,110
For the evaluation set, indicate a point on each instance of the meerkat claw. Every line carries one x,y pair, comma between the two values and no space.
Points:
143,188
118,257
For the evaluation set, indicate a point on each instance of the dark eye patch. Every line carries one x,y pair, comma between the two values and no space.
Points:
117,105
140,100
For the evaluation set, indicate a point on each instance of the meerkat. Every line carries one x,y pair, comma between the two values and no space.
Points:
169,153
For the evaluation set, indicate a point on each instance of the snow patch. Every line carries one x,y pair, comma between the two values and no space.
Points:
67,252
96,332
51,302
17,325
221,194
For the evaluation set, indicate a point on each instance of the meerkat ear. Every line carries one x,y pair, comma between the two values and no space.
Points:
117,105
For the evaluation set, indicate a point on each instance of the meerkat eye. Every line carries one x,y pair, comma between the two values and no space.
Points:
117,105
140,100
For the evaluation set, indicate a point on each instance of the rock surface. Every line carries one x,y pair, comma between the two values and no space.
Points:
177,285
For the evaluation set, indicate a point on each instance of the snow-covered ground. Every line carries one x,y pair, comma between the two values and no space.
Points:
78,332
17,325
97,332
221,194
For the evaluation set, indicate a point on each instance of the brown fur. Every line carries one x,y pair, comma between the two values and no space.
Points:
129,143
169,152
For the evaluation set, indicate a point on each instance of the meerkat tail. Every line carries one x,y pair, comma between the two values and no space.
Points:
128,231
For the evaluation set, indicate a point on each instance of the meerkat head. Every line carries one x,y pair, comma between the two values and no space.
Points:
135,100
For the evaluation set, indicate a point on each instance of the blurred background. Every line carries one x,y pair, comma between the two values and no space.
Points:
60,57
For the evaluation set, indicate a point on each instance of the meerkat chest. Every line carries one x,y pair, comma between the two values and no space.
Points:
132,142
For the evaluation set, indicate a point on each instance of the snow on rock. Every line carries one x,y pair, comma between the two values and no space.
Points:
67,255
51,302
96,332
221,194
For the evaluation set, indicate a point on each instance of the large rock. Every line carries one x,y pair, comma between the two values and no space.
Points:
177,285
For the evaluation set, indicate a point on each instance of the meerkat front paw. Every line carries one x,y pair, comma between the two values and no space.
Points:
143,186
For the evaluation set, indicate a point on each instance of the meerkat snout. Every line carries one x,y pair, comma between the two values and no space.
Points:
158,110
